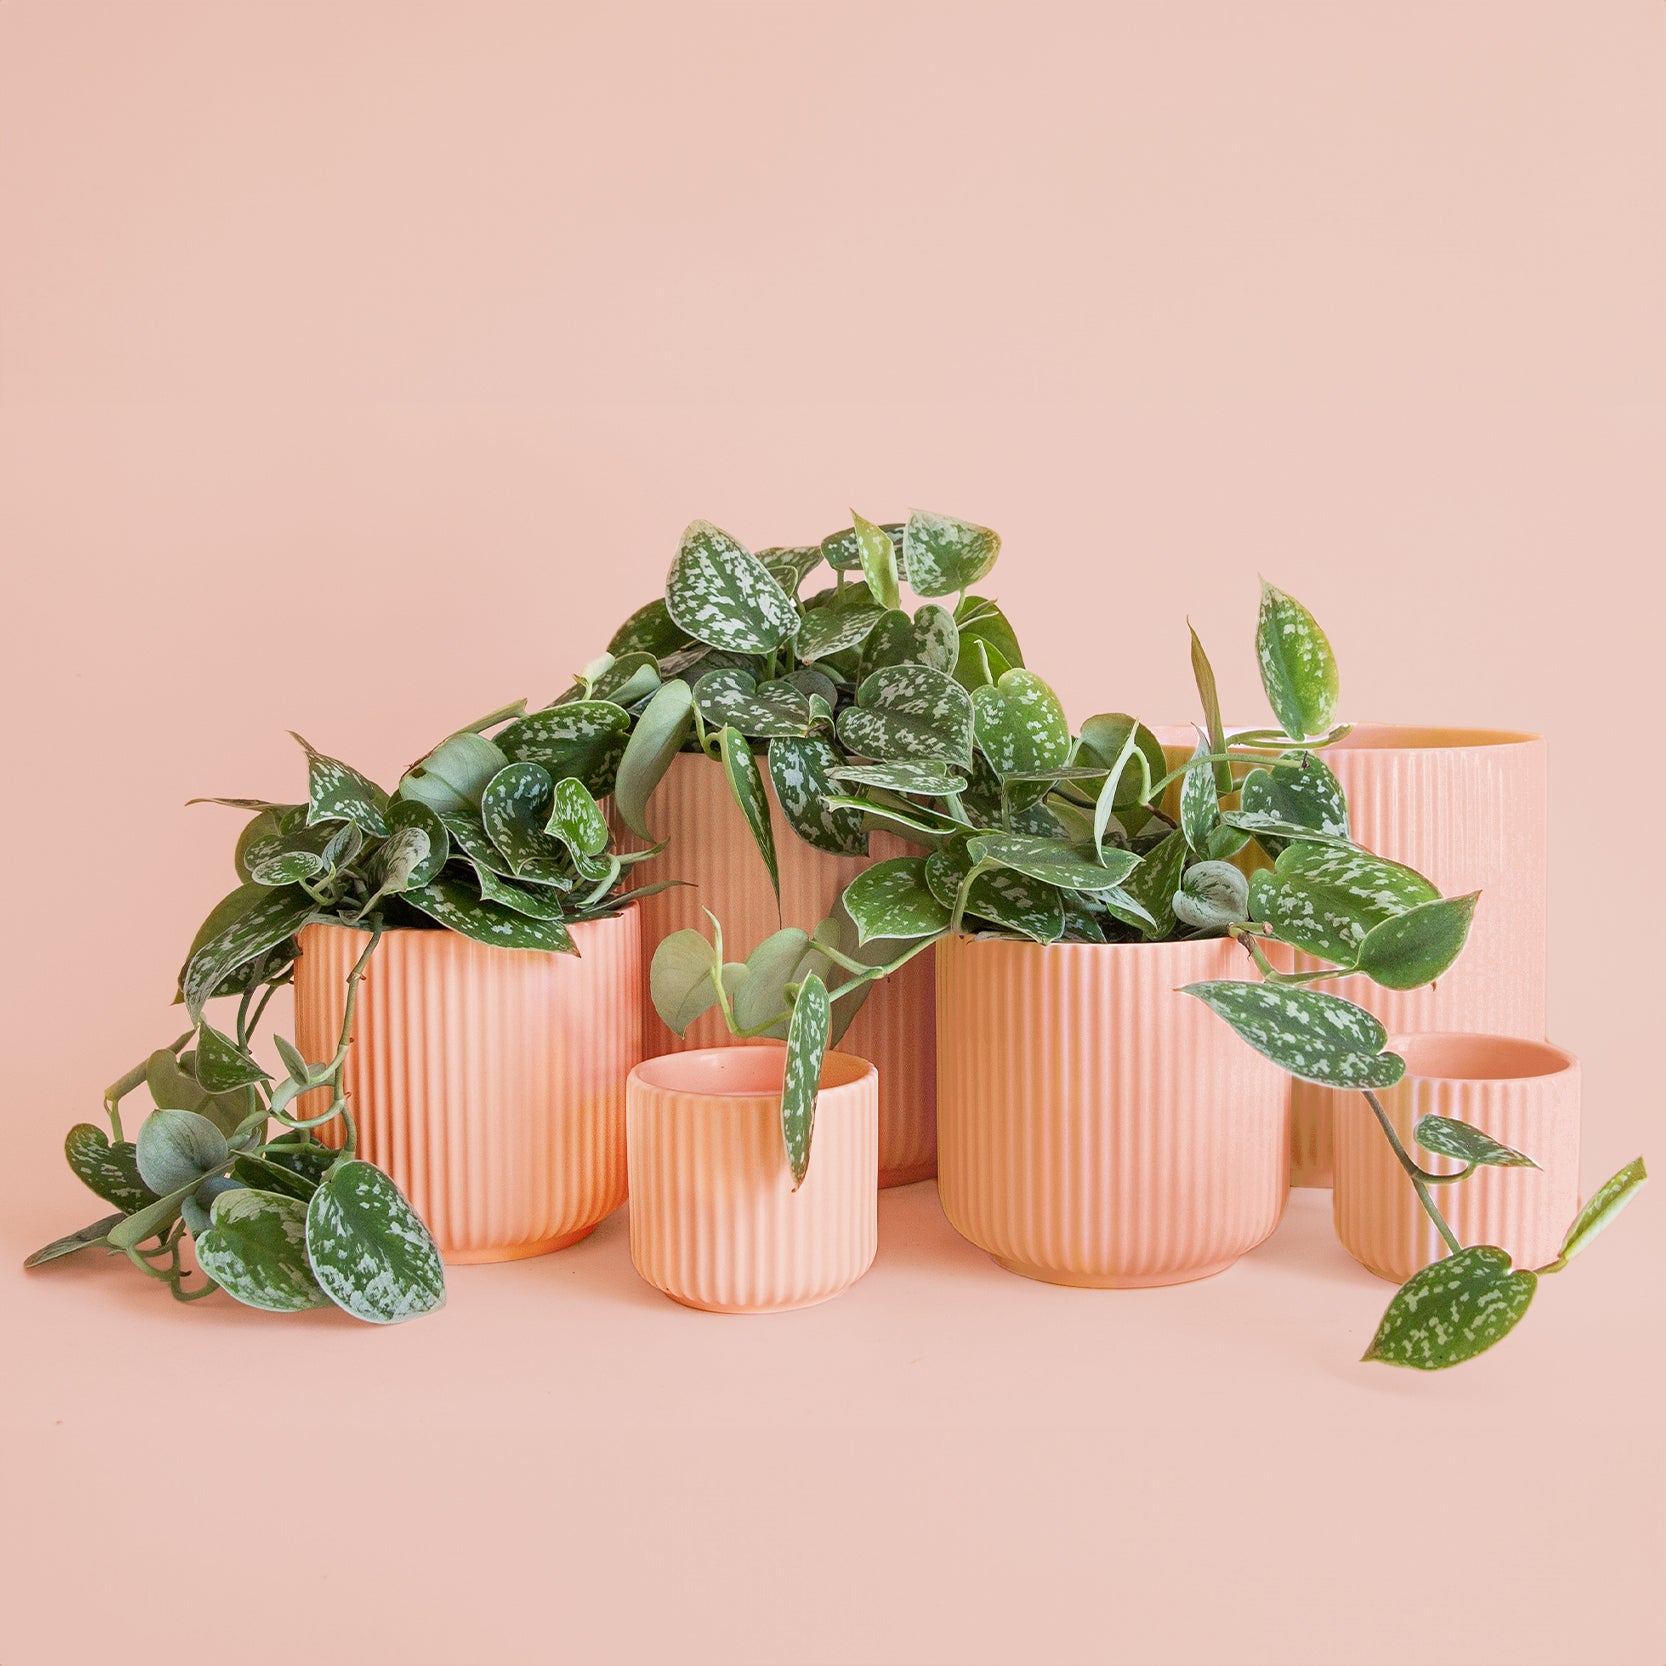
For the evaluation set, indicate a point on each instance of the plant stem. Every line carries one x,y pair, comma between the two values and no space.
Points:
119,1089
1419,1180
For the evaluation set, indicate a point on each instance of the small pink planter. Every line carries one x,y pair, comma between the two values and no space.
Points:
715,1222
711,849
488,1083
1525,1094
1095,1126
1468,809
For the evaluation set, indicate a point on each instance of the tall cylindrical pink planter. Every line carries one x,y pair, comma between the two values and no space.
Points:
711,848
488,1083
1095,1126
1525,1094
1468,808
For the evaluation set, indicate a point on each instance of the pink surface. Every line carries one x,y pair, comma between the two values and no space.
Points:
446,319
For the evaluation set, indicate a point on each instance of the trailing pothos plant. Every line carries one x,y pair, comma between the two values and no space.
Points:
733,662
495,835
1030,831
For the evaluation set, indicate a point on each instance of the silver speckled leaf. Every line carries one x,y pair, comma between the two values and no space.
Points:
721,594
370,1250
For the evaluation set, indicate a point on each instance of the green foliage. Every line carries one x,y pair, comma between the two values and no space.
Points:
1453,1310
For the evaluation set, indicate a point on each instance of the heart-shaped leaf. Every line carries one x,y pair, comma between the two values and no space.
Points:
370,1250
682,979
879,561
746,786
1153,883
734,700
661,728
177,1148
515,808
1326,901
910,712
1451,1138
1298,669
1299,790
791,564
1453,1310
799,770
942,555
1110,739
1000,897
581,738
576,819
72,1243
760,993
407,814
1052,861
273,919
454,775
337,792
1604,1205
892,899
255,1249
930,638
284,858
1317,1038
1212,896
455,907
806,1050
650,630
198,1206
832,630
1414,948
112,1171
1021,729
988,646
720,593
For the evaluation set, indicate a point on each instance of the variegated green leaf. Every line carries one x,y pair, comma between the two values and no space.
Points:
196,1208
1212,897
255,1249
112,1171
467,832
515,808
1298,669
576,819
1317,1038
806,1050
879,561
734,699
1113,738
935,780
152,1221
1453,1310
541,902
1451,1138
832,630
1601,1209
406,814
458,909
1200,808
74,1242
682,979
177,1148
454,775
988,646
174,1086
337,792
1000,897
661,728
269,921
1414,948
370,1250
581,738
910,712
799,770
1021,729
1153,883
220,1065
720,593
1299,790
942,555
842,550
892,899
622,682
1325,900
402,854
650,630
284,858
1052,861
791,563
746,784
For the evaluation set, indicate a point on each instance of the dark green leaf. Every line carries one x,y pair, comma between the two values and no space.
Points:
86,1238
892,899
455,907
1453,1310
1052,861
799,771
1414,948
515,807
1451,1138
337,792
1153,883
746,783
177,1148
721,594
112,1171
1021,729
581,738
910,712
832,630
733,699
406,814
273,918
806,1049
942,555
651,630
1299,790
370,1250
1317,1038
256,1250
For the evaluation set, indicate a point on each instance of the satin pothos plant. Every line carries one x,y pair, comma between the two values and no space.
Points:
1028,830
736,663
495,835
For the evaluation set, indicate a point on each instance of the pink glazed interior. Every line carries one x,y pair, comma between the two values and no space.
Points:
1456,1057
740,1072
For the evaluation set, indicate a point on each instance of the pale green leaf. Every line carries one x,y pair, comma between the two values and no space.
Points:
942,555
661,728
1298,669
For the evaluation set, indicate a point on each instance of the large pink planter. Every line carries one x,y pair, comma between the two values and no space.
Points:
489,1083
1095,1127
715,1222
1467,808
1523,1093
711,848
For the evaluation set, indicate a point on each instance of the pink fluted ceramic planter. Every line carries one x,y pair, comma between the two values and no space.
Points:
489,1083
1095,1127
1468,809
1525,1094
711,848
715,1222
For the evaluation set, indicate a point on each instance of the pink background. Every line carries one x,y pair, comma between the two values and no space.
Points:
433,324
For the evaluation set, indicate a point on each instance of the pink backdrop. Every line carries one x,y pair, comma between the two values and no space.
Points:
436,323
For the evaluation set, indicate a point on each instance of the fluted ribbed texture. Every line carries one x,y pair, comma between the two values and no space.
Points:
715,1222
1524,1211
489,1083
711,848
1469,810
1095,1127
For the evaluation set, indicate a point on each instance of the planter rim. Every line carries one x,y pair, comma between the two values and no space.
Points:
437,930
1387,737
679,1075
1190,944
1501,1058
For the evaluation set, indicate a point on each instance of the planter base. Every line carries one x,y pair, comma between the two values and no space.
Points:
515,1252
907,1176
778,1307
1111,1281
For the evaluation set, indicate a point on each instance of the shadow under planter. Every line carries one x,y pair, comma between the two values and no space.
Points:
715,1222
1095,1127
488,1083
